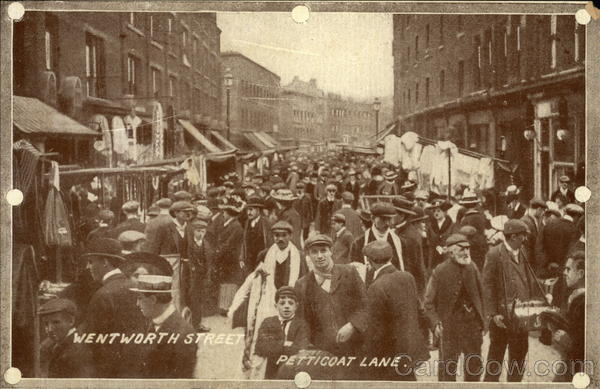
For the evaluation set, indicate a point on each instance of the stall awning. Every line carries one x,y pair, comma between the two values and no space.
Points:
228,145
193,131
257,143
31,116
265,139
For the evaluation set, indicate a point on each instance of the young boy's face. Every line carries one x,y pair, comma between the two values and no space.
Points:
287,307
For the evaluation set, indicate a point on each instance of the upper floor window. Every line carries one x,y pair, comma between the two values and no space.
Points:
133,74
441,29
94,65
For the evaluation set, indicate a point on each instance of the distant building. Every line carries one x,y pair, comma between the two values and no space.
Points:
303,111
349,121
116,70
254,95
483,80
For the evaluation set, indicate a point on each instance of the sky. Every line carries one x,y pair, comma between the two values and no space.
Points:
348,53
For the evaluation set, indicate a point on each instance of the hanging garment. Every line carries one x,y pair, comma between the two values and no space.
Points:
105,145
485,173
426,161
157,130
28,157
191,172
392,150
120,142
54,179
57,231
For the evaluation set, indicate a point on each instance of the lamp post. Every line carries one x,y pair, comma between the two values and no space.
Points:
228,83
376,108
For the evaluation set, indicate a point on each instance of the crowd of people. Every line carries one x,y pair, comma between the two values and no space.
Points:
337,257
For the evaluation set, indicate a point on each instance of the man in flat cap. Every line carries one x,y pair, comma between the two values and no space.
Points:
64,357
454,308
325,210
167,238
304,205
132,221
182,195
132,241
257,234
394,317
111,309
564,193
162,218
557,236
105,225
284,200
353,222
279,265
342,239
507,276
353,186
333,302
174,359
382,216
533,219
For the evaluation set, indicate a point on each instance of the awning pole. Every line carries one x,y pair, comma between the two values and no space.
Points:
449,175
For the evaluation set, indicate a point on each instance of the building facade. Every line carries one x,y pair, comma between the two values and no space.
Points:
508,86
350,121
254,94
303,112
128,75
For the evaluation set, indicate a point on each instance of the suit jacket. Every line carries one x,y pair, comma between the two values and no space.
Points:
342,246
304,206
533,246
387,189
501,282
163,238
271,338
99,232
475,219
393,322
325,210
353,221
133,224
172,360
515,211
347,304
567,199
113,308
412,240
557,236
355,190
256,239
68,359
292,216
437,237
444,288
228,252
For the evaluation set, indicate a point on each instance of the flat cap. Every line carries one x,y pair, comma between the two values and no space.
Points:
379,251
163,266
181,206
164,203
131,236
198,223
574,209
467,230
318,240
338,218
130,206
564,179
552,211
286,291
514,226
203,212
106,215
383,209
347,196
182,195
364,215
331,187
58,305
153,210
459,239
536,202
282,226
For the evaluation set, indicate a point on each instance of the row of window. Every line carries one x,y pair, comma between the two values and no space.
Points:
257,119
339,130
162,27
254,90
339,112
304,116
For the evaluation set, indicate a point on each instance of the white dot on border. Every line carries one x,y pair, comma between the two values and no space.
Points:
302,380
581,380
300,14
582,16
15,11
12,376
582,194
14,197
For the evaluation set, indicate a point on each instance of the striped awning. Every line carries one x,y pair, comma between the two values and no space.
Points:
193,131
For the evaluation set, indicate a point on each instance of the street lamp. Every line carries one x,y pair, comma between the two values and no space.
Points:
376,108
228,83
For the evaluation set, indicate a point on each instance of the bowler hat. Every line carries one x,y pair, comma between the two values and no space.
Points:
514,226
318,240
163,266
150,283
58,305
282,226
286,291
104,248
459,239
378,251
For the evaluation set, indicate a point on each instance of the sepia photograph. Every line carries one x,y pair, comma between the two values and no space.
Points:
307,192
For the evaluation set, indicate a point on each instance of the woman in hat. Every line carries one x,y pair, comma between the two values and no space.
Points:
389,187
440,228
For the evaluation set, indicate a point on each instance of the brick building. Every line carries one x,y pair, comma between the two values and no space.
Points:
349,120
303,112
140,71
254,94
483,80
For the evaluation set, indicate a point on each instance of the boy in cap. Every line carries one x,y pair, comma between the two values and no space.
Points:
454,307
65,358
342,239
111,309
282,334
132,221
175,359
394,309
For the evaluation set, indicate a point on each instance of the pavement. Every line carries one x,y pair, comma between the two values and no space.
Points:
219,360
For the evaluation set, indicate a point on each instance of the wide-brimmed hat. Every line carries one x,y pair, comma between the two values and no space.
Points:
439,203
419,214
390,175
404,205
104,248
163,266
151,283
232,203
512,190
408,185
284,195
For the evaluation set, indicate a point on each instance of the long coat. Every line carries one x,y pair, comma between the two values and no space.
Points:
393,322
353,221
69,359
325,210
355,190
228,250
292,216
341,246
176,359
304,206
347,304
271,339
165,239
256,239
113,308
437,237
533,247
557,236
